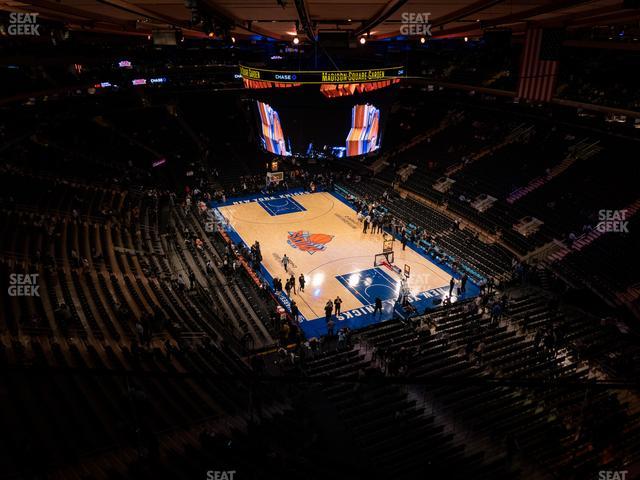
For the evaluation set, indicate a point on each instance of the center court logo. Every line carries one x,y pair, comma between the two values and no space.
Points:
309,242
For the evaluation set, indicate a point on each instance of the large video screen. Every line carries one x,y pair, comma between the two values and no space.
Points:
272,135
307,123
365,125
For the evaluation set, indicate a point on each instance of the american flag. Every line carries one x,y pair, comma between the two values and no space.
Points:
539,64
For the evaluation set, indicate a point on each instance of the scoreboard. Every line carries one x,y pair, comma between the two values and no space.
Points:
320,76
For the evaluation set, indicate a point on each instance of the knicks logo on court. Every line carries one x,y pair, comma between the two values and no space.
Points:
309,242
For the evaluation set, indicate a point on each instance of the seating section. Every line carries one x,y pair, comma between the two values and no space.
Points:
391,431
446,239
551,171
121,398
149,351
488,393
607,263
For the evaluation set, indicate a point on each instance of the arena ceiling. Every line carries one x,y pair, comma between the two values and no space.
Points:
282,19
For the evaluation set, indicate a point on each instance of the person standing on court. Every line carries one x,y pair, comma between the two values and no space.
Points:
287,287
378,306
367,219
404,239
285,262
301,282
337,303
292,281
452,283
328,309
330,326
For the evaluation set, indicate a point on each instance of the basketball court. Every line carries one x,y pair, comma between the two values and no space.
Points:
322,237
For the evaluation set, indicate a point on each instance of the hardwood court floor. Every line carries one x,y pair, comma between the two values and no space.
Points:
342,266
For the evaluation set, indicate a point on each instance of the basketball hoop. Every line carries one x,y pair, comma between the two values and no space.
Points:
274,178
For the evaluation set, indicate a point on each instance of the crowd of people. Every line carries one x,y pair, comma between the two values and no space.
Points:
376,218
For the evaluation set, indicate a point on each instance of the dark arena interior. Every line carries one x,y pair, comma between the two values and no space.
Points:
309,240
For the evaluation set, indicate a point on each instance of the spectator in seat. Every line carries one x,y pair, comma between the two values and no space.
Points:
468,350
463,283
285,329
295,311
496,313
480,352
342,339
